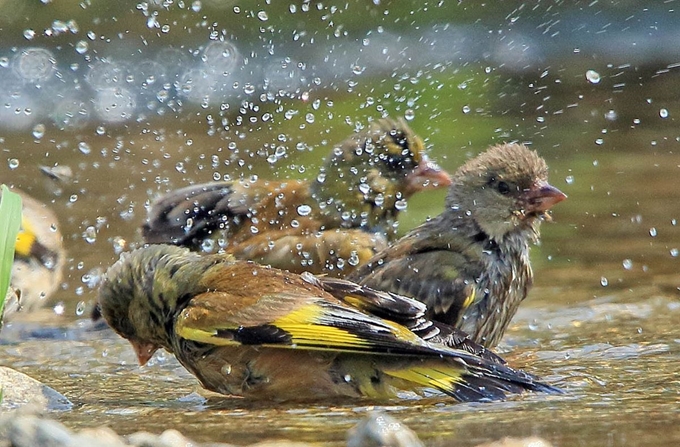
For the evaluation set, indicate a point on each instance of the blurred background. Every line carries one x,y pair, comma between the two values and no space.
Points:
120,102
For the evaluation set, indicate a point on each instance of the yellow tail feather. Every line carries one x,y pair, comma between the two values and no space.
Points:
441,377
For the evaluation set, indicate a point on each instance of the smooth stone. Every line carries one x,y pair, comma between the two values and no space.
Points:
532,441
19,389
381,430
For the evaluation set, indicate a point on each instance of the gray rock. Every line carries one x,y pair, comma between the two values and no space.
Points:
381,430
19,389
32,431
532,441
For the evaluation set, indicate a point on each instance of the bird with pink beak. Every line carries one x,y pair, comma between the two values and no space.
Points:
470,264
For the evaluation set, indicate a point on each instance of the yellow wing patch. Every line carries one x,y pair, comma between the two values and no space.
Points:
440,378
304,328
469,299
25,239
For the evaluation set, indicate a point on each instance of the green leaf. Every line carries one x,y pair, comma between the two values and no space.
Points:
10,222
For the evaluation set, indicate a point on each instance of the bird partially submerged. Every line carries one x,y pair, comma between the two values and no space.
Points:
247,330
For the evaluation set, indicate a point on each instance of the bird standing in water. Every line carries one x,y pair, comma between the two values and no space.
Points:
248,330
470,264
328,225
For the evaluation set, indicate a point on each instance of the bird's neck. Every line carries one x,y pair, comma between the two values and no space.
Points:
465,225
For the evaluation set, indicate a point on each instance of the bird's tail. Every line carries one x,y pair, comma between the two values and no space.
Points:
465,383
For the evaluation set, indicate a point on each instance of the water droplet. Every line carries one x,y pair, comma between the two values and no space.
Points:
400,205
35,64
262,16
409,115
119,245
73,198
84,148
569,179
208,245
466,109
196,6
90,234
309,118
627,264
652,232
254,229
675,252
663,113
304,210
611,115
379,200
593,77
604,282
38,131
59,308
29,34
82,46
80,308
353,259
226,369
599,141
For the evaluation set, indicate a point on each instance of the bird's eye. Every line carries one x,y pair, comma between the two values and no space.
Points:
503,188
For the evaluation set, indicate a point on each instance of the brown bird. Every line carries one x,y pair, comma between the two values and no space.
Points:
248,330
328,225
470,264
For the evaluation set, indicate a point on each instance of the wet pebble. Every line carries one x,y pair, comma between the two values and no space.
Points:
20,390
381,430
532,441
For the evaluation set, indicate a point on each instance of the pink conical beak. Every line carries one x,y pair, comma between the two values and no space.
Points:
542,197
427,175
144,351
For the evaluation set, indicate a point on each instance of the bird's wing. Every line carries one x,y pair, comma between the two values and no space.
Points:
403,310
189,213
292,320
442,279
245,303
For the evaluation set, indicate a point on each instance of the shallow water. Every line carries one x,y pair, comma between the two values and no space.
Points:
613,349
600,322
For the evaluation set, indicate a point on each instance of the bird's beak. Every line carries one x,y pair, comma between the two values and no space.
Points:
427,175
144,351
542,196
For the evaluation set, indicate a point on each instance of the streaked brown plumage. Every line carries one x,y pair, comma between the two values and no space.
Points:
470,264
247,330
329,225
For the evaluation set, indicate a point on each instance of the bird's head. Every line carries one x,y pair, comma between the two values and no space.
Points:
142,292
375,171
504,190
